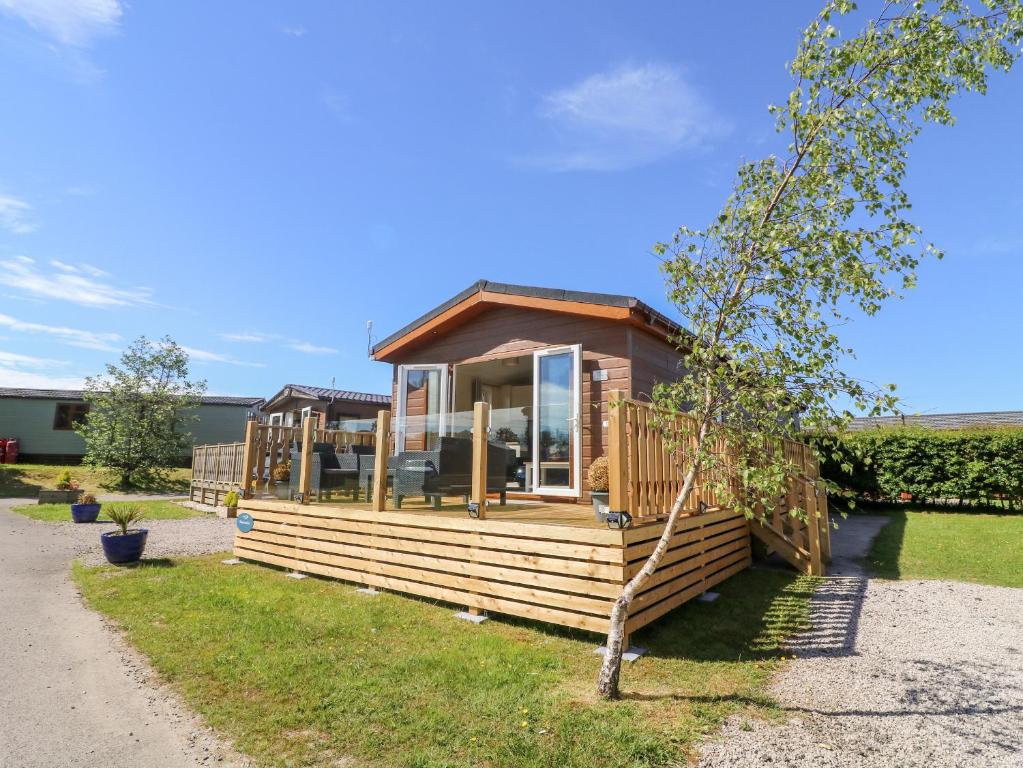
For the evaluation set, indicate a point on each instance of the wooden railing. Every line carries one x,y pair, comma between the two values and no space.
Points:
216,470
646,471
269,445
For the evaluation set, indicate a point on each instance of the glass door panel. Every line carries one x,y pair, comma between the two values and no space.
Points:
422,406
555,465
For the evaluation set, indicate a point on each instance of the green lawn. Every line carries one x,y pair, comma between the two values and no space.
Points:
154,510
987,549
25,480
310,673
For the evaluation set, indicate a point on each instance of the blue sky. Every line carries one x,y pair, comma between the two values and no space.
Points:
259,180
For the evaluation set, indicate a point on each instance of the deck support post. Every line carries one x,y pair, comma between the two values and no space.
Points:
617,460
380,461
480,427
248,458
305,480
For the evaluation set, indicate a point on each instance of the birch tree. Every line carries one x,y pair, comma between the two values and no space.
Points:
805,241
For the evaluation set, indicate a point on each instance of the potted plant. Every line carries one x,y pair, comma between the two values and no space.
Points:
124,545
231,502
281,477
67,491
599,484
86,510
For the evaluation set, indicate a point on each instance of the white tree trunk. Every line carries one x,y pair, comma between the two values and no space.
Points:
610,670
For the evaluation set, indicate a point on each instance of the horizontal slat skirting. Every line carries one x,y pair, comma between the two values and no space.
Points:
634,536
639,552
511,528
396,529
655,612
556,565
693,571
446,594
498,565
459,564
684,541
437,578
683,559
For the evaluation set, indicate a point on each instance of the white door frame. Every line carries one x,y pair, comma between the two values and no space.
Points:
399,439
576,401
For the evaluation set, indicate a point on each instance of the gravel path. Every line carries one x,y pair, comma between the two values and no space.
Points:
894,674
72,693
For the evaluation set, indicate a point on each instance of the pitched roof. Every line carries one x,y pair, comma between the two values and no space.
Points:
941,420
484,292
78,394
328,394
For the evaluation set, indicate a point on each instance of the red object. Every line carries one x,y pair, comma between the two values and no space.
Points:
3,448
11,454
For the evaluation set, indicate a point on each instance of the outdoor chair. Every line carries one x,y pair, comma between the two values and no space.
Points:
331,471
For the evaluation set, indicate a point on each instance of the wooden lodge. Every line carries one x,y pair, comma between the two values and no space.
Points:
472,490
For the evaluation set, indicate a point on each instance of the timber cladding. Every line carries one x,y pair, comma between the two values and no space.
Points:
552,573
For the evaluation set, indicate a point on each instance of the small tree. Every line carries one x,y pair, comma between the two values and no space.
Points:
137,412
803,241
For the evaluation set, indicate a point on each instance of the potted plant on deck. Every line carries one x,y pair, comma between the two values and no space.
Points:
231,503
281,476
66,491
86,510
124,545
598,476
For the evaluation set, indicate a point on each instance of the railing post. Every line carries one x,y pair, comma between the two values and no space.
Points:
305,481
249,458
617,453
480,426
813,531
380,461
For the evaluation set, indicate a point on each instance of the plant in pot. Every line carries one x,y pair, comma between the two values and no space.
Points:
231,502
66,490
599,484
86,510
126,544
281,477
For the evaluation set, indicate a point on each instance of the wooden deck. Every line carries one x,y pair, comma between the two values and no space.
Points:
551,563
539,512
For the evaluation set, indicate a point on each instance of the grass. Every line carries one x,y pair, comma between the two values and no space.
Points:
985,549
310,673
61,513
25,480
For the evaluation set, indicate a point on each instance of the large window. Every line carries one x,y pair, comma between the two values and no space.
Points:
68,414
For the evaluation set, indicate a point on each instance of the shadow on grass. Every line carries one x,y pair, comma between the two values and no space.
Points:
13,483
144,563
756,612
883,558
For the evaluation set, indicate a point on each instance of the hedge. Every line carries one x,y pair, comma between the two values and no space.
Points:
968,466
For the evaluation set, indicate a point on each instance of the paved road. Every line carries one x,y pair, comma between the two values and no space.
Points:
71,693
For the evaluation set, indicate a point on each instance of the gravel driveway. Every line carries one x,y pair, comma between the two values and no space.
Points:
896,674
71,692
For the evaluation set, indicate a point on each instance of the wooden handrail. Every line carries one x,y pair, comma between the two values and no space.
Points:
645,476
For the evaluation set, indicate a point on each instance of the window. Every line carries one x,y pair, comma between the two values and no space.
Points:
68,414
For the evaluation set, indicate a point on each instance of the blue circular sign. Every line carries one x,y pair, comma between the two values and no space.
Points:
245,522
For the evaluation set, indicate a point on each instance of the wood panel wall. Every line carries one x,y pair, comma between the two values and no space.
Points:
653,360
501,331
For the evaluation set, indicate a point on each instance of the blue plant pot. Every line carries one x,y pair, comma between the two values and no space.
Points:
85,513
124,549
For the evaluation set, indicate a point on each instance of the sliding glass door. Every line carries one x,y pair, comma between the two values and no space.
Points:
422,406
556,434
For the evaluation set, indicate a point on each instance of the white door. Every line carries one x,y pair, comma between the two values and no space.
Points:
422,406
557,439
